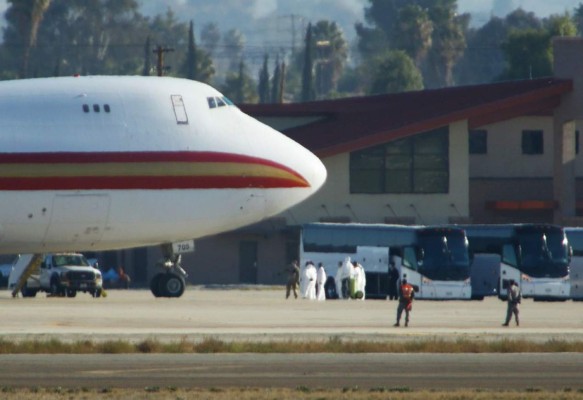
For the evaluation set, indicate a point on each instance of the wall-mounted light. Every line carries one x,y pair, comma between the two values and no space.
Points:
417,213
351,211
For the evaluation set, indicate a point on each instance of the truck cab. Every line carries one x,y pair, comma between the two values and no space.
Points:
64,274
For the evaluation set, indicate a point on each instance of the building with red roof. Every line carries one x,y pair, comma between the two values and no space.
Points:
492,153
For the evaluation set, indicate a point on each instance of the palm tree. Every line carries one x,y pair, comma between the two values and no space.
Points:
331,53
30,14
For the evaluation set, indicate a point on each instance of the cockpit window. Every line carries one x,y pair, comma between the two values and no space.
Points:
215,102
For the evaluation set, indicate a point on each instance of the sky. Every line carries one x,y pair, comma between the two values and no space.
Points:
346,11
482,10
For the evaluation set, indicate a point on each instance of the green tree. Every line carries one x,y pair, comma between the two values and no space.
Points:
240,87
76,36
529,52
448,42
197,64
28,14
234,43
147,57
191,65
210,37
330,55
263,86
395,72
276,82
414,32
528,55
419,27
578,18
308,92
483,60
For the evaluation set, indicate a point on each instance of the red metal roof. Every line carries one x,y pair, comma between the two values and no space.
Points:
358,122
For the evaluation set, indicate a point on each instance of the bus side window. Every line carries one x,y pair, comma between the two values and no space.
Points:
410,258
509,255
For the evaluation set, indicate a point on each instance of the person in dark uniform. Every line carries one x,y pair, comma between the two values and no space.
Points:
393,279
293,279
514,299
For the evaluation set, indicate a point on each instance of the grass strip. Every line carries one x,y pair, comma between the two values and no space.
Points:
333,345
300,393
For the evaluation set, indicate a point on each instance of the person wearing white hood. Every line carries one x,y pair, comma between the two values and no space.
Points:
320,280
311,276
303,279
359,277
338,280
345,278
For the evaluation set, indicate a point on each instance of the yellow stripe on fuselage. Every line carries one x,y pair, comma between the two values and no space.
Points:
45,170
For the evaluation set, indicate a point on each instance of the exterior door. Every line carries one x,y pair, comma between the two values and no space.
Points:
248,261
78,218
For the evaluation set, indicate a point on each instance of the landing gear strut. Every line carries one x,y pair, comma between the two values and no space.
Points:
171,280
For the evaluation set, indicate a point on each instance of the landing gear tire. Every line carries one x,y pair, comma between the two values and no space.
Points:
167,285
172,285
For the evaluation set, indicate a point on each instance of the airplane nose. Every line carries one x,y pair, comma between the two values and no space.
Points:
314,171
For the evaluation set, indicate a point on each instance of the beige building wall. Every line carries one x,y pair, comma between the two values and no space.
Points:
504,158
334,201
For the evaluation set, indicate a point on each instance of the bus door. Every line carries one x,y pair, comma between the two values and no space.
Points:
509,271
375,262
575,236
409,267
485,275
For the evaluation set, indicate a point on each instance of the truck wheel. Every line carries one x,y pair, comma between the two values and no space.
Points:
71,293
172,285
97,293
56,288
27,292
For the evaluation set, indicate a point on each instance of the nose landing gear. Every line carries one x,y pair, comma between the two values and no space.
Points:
172,280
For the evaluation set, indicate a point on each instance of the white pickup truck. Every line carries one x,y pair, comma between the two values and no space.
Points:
64,274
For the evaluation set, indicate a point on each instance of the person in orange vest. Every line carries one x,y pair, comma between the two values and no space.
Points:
406,294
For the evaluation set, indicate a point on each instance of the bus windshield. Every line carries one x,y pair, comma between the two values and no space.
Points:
444,256
544,254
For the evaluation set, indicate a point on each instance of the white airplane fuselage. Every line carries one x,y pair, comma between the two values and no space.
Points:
97,163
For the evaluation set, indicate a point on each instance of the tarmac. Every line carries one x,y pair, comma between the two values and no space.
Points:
258,313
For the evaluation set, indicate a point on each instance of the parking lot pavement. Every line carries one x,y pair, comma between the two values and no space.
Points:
260,314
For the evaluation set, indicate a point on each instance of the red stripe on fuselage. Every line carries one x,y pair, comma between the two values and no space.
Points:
143,182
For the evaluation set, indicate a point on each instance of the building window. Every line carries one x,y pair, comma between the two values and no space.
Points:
532,142
478,141
419,164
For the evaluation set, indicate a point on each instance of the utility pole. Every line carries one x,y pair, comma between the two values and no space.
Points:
160,51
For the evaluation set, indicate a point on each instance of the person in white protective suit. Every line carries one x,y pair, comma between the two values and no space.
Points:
359,277
311,275
338,280
345,278
320,281
303,279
